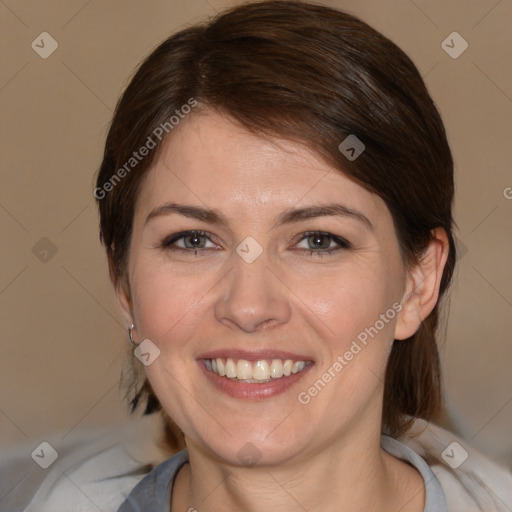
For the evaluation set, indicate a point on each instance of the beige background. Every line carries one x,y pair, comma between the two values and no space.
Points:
63,341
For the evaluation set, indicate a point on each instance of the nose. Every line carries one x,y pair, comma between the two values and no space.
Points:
252,297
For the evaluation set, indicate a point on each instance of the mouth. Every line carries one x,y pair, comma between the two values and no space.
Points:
254,375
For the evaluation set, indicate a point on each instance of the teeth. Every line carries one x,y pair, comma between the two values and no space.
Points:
244,370
298,366
260,371
257,371
276,369
221,369
230,369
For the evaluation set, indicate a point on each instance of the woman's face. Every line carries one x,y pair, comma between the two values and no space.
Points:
259,283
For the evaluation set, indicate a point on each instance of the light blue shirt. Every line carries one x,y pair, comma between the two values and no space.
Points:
153,492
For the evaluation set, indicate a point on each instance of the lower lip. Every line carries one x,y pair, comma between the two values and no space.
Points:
253,391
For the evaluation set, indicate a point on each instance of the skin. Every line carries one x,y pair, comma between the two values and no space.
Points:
318,455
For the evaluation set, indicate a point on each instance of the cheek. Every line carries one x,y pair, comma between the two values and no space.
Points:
349,301
166,306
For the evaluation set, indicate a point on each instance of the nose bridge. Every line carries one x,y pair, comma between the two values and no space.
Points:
251,296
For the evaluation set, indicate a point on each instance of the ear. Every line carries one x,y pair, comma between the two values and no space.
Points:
422,286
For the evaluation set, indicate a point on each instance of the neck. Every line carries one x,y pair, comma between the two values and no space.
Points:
349,476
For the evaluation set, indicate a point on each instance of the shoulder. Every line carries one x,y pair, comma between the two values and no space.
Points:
471,482
95,469
153,492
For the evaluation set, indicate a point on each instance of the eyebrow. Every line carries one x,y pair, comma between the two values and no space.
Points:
212,216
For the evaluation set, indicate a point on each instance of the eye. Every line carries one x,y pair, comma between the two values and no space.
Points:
319,243
191,240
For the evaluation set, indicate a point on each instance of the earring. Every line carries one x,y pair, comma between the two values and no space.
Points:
130,329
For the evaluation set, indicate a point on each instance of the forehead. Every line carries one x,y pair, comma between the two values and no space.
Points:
210,160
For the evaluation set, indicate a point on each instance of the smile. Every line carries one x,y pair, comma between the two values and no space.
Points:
261,371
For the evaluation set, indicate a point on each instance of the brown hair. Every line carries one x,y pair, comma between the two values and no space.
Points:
314,75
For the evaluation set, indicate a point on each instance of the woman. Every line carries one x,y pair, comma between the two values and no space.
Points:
276,206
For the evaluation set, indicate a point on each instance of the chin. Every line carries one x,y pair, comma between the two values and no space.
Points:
250,448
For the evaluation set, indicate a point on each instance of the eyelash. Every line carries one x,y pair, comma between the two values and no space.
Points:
343,244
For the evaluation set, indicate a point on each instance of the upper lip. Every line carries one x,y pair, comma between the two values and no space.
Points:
253,355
